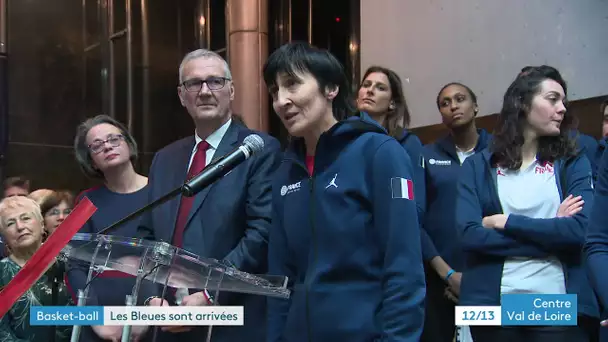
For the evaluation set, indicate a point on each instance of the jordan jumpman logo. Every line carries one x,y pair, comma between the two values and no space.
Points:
333,182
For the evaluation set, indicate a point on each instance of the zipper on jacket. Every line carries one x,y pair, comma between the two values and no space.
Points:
565,270
561,198
311,203
494,188
498,207
314,259
313,240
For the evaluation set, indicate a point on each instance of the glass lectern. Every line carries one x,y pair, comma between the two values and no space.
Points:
164,264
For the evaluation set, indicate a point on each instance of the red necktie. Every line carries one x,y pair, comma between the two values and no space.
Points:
198,164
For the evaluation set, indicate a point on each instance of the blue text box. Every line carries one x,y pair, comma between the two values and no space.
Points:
66,315
539,309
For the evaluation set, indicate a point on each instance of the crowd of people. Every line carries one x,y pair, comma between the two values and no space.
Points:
380,237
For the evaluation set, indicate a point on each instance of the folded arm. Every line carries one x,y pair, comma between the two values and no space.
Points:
476,238
560,233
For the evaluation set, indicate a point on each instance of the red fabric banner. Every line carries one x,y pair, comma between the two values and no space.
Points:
45,256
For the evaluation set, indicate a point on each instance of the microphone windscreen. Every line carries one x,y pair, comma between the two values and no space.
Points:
254,142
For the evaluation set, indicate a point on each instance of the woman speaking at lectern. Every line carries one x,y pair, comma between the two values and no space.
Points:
344,228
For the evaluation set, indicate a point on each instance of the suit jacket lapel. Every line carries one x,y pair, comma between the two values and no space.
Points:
178,177
227,144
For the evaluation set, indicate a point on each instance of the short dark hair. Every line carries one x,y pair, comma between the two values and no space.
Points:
508,136
471,93
398,119
83,154
300,57
17,181
55,199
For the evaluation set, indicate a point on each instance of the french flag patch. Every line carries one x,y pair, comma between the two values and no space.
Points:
402,188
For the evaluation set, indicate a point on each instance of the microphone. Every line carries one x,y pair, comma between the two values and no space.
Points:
251,144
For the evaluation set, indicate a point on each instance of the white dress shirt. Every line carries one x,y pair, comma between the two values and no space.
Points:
213,140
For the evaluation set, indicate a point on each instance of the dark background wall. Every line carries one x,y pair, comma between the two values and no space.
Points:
44,80
54,84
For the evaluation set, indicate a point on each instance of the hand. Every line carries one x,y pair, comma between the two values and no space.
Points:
454,283
158,302
138,332
163,302
108,332
570,206
497,221
114,332
195,299
450,295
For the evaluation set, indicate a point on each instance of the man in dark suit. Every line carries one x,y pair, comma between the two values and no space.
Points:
228,220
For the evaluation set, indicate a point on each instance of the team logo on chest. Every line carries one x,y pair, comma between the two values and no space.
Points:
440,162
544,168
291,188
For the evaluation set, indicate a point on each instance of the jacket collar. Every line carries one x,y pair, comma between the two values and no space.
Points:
447,143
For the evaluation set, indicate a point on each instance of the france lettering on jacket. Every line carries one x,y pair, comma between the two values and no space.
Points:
402,188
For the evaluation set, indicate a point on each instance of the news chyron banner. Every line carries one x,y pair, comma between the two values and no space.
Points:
522,309
137,315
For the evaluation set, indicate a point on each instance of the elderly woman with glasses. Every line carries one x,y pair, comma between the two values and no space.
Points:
106,151
21,228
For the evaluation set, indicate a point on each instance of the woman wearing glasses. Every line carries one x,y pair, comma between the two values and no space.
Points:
55,208
106,151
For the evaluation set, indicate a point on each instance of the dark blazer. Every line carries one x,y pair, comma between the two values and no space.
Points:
229,220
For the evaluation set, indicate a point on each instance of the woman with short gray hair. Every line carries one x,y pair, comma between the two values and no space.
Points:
22,227
106,150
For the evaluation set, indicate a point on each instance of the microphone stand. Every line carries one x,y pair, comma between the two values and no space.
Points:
185,189
148,207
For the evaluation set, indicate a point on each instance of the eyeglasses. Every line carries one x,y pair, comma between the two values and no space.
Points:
213,83
113,140
57,212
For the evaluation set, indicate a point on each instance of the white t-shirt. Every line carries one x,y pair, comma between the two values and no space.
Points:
462,155
532,192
